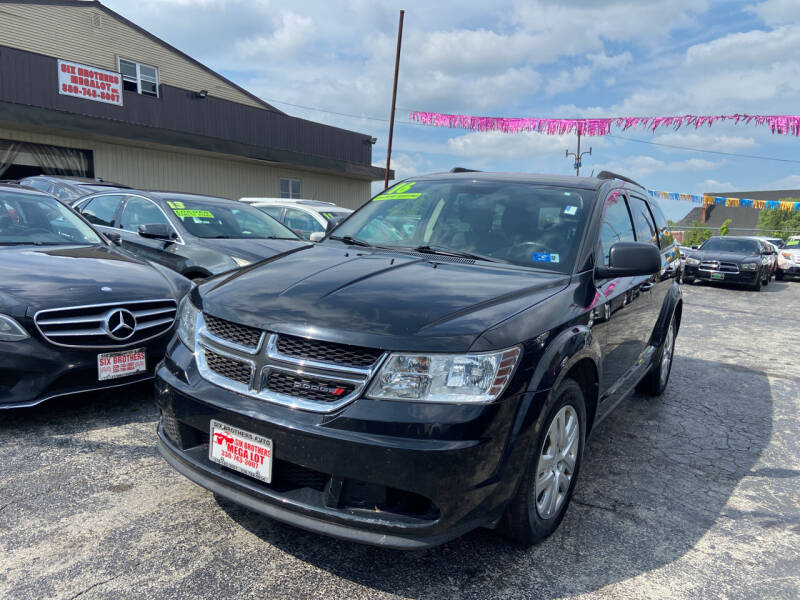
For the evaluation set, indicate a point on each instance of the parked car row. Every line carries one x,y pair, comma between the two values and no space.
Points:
435,363
747,260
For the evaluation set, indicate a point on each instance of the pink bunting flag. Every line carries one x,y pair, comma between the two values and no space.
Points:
781,124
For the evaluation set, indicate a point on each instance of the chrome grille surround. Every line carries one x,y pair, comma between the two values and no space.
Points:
266,359
86,326
710,266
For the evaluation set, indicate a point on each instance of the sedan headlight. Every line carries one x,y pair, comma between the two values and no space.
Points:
453,378
10,330
188,316
242,262
749,266
692,262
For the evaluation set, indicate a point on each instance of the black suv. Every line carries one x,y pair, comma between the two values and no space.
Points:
402,391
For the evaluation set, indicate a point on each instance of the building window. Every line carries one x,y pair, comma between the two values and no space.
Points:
138,78
290,188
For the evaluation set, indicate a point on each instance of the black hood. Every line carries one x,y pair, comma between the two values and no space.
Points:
723,256
252,250
375,298
33,279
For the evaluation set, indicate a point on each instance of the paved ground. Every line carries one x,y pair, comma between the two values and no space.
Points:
693,495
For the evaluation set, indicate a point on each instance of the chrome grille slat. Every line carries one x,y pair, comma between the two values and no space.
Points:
87,326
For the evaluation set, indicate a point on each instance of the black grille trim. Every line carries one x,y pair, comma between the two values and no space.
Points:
328,352
243,335
307,388
229,368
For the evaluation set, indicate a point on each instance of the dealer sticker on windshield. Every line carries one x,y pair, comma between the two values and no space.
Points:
544,257
241,451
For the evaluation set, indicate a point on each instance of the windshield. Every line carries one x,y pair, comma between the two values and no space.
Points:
519,223
42,221
792,244
732,245
206,219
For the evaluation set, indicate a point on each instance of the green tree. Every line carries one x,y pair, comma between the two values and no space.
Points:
698,234
723,229
780,223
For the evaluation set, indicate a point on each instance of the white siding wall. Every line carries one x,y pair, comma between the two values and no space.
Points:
68,32
162,168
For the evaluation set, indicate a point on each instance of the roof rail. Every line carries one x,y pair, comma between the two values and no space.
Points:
610,175
463,170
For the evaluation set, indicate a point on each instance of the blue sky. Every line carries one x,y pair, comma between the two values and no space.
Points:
519,59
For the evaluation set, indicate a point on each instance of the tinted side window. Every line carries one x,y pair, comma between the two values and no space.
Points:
101,210
139,211
664,233
643,221
616,225
272,211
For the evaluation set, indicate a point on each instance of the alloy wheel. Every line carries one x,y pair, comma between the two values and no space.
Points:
666,355
556,465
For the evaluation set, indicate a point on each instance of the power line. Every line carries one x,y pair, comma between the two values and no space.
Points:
787,160
616,137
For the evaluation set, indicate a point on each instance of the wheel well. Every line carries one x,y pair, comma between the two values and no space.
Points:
584,372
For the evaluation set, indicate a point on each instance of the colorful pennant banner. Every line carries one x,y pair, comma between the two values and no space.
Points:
723,201
781,124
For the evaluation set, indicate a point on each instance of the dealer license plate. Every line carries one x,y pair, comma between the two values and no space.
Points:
718,276
113,365
241,451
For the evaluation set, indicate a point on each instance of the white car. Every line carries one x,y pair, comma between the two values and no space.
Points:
789,259
304,217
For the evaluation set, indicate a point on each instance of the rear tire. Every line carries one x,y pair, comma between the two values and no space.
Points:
657,378
536,512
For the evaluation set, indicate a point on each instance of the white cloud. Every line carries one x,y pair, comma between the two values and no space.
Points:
492,145
723,143
291,34
776,12
790,182
641,166
712,185
566,81
602,61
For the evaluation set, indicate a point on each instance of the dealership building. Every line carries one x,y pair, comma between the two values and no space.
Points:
85,92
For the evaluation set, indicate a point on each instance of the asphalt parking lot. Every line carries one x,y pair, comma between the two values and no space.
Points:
696,494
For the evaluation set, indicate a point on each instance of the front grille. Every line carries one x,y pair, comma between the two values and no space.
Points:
91,326
288,476
715,265
233,332
309,388
228,367
328,352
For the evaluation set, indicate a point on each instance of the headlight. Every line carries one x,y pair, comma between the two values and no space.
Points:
787,255
188,316
10,330
455,378
242,262
749,266
692,262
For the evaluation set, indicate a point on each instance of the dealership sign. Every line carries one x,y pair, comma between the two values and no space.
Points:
90,83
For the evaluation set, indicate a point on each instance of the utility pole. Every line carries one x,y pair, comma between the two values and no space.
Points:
394,99
578,155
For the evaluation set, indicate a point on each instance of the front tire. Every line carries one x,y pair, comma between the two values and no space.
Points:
552,470
757,285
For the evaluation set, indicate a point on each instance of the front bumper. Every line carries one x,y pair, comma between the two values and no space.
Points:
792,269
394,474
33,371
742,277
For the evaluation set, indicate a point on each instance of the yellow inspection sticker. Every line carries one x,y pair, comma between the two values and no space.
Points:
202,214
175,204
399,192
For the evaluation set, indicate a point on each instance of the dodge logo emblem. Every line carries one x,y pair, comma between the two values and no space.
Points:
120,324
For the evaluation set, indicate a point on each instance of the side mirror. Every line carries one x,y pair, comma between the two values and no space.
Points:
114,238
156,231
628,259
695,247
316,236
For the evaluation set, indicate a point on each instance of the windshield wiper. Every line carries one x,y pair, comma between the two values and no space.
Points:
350,240
35,243
442,251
